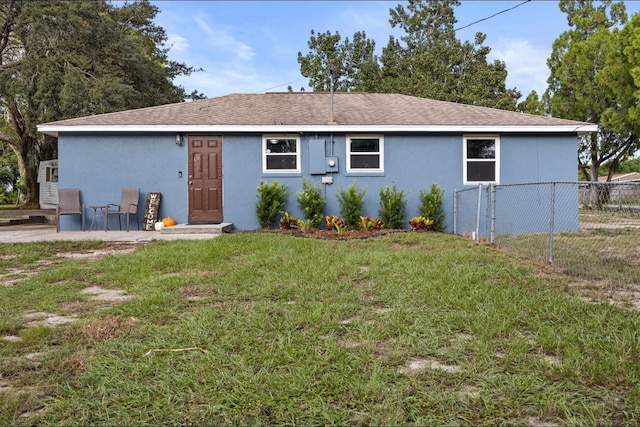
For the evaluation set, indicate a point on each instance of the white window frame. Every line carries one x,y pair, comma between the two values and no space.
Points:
380,153
496,158
265,153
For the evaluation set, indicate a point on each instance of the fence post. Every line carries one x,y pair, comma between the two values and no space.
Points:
455,211
552,221
477,233
492,210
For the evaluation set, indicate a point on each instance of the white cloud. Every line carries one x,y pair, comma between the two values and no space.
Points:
177,43
369,19
526,64
226,80
220,38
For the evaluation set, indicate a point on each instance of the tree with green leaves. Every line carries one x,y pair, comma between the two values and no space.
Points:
352,64
621,79
625,166
61,59
428,61
9,173
532,104
578,58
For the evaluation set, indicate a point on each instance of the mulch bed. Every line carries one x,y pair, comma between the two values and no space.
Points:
317,233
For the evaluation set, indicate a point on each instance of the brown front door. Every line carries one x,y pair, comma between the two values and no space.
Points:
205,179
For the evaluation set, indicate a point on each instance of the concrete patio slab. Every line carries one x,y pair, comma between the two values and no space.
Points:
47,232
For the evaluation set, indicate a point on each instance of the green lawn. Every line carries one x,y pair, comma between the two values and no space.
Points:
403,329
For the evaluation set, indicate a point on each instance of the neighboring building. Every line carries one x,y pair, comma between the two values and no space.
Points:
207,157
48,180
622,190
623,177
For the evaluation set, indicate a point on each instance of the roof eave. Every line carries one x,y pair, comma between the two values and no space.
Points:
54,130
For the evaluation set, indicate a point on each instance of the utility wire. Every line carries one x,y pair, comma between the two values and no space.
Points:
489,17
288,83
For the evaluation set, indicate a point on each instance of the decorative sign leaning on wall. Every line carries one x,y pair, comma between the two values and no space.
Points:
151,208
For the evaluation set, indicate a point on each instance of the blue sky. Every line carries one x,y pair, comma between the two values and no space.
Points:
252,46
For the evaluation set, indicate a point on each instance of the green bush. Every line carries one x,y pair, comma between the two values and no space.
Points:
431,206
272,199
393,207
351,205
311,202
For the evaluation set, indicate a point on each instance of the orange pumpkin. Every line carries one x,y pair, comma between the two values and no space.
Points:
168,221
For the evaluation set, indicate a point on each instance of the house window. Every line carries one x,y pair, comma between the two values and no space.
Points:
280,153
481,159
365,153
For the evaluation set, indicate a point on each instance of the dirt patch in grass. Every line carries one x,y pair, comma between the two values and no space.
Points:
552,360
40,318
11,276
591,290
15,275
108,327
194,293
111,249
419,364
469,392
599,291
537,422
110,295
75,307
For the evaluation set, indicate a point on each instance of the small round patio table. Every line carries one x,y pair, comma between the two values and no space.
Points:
99,211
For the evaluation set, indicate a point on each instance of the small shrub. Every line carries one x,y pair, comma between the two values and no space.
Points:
287,222
431,206
334,222
311,202
420,223
305,226
351,205
368,224
272,199
393,207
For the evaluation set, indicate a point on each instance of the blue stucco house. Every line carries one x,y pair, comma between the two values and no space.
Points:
207,157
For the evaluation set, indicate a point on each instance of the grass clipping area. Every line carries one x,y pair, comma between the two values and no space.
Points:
262,328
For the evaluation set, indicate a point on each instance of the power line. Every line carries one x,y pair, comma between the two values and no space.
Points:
494,15
288,83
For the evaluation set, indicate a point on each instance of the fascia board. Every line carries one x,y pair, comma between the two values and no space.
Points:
54,130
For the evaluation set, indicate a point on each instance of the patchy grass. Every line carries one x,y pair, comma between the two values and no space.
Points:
606,254
406,328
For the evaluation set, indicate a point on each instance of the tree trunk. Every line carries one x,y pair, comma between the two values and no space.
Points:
28,168
25,146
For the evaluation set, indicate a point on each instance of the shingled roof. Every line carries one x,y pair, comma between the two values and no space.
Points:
310,111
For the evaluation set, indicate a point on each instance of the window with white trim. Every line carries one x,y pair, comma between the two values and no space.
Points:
481,159
280,154
365,153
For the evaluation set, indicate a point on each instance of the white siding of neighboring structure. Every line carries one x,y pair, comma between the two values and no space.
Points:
48,179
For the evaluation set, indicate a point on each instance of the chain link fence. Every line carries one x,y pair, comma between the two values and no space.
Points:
589,230
466,211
